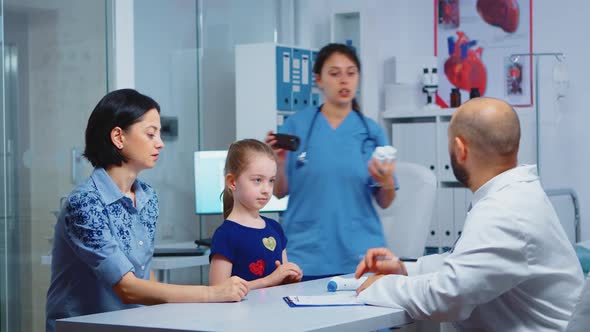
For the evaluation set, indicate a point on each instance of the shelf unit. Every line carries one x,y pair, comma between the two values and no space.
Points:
272,82
421,137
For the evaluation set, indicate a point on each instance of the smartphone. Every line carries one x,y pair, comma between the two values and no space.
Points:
287,142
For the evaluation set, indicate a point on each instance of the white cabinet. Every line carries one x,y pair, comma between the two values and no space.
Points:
444,217
418,140
422,138
462,201
272,82
445,171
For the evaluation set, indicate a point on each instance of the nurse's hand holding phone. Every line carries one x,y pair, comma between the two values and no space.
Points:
281,143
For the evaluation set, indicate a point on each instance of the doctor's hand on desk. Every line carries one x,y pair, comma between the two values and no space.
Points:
380,261
231,290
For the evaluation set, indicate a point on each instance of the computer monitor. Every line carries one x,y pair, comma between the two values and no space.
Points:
210,182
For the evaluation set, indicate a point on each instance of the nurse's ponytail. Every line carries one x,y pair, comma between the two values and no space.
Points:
239,155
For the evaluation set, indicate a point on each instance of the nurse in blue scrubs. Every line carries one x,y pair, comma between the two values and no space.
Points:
331,179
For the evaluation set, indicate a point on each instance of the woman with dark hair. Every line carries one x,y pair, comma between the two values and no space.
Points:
332,178
104,237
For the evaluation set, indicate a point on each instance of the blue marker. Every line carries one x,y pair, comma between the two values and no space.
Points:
342,284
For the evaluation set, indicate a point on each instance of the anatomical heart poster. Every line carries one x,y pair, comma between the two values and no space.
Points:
474,44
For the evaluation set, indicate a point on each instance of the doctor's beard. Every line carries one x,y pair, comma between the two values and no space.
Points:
459,171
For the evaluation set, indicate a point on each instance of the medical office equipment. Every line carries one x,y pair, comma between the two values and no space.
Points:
369,142
344,284
273,82
560,57
430,86
455,97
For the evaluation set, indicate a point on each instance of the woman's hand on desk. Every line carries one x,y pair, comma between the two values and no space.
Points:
231,290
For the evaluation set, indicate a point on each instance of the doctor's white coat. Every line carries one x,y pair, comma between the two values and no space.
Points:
513,269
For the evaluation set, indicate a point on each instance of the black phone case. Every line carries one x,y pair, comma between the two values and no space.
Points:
288,142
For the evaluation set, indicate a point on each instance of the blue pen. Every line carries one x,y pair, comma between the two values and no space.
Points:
389,258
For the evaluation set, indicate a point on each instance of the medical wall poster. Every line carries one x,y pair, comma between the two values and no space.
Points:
474,40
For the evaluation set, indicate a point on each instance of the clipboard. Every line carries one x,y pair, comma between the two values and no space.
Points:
333,300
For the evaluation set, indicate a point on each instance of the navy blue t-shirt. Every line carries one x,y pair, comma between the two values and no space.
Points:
252,251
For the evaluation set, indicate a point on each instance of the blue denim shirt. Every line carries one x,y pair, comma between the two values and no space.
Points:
99,237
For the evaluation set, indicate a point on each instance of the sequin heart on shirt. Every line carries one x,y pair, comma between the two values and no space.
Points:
257,267
270,243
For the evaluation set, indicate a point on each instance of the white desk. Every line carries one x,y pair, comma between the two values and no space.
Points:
163,264
262,310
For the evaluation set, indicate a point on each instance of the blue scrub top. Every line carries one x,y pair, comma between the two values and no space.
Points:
330,220
99,237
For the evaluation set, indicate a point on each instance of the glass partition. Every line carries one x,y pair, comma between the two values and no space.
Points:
54,71
55,61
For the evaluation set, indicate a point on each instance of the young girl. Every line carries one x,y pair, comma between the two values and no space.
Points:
247,244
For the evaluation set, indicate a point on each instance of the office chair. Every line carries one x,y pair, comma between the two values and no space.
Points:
407,220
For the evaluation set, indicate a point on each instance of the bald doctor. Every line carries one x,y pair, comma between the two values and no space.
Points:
513,269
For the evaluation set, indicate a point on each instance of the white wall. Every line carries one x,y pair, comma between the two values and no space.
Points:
564,156
167,64
402,27
62,74
405,28
388,28
165,35
227,23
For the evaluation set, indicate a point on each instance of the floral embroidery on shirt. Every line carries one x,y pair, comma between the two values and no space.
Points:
85,221
150,212
90,221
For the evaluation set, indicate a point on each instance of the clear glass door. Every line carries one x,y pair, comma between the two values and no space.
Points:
54,70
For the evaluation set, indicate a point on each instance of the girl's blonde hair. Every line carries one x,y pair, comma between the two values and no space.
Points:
238,157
